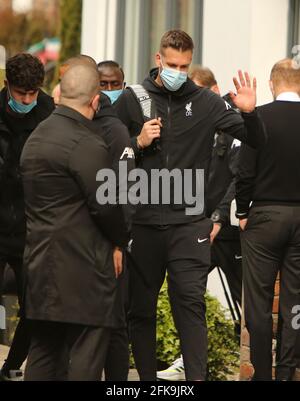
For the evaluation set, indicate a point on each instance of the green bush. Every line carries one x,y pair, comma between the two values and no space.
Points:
222,344
10,303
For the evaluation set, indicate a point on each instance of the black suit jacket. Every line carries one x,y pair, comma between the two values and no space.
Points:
70,237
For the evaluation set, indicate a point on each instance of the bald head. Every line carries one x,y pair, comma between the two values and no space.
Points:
285,76
79,85
81,59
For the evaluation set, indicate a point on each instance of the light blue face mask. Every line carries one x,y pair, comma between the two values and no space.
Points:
113,95
20,107
173,79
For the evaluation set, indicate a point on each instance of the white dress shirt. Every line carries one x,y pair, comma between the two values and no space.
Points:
288,97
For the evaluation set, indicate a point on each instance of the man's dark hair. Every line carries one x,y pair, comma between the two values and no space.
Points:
25,71
111,64
178,40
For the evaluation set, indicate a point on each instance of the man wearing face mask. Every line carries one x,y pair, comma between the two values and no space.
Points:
23,105
111,79
164,236
70,277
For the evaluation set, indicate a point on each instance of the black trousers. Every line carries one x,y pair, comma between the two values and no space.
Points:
271,243
227,255
19,349
117,360
83,348
184,252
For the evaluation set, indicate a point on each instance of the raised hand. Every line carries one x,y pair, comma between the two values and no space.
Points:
245,97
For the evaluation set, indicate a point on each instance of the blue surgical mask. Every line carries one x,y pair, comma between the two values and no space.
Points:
113,95
173,79
20,107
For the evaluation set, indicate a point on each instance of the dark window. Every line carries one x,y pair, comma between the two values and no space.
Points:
294,24
139,43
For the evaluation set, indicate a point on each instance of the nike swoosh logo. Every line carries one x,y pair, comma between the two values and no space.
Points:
238,257
202,240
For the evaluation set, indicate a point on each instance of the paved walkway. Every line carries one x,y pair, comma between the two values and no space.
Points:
133,376
3,353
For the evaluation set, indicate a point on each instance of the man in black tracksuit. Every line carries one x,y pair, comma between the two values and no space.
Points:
164,236
271,227
225,238
226,247
115,135
22,107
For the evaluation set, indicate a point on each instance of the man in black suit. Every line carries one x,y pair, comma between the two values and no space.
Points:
269,178
70,275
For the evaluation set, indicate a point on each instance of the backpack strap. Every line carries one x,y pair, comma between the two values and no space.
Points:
147,105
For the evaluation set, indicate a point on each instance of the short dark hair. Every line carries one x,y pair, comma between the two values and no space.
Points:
25,71
178,40
111,64
203,75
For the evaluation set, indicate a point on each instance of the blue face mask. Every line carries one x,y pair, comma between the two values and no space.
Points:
173,79
113,95
20,107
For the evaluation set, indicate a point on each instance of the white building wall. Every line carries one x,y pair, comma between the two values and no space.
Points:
22,5
249,34
269,41
99,18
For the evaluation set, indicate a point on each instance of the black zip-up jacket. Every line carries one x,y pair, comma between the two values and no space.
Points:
221,183
114,133
190,118
116,136
14,132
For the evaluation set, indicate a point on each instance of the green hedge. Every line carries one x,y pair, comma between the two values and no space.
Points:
223,346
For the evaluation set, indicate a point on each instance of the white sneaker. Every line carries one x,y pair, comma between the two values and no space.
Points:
174,373
13,376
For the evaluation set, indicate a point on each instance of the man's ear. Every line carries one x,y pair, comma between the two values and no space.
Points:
158,60
56,94
272,88
215,89
95,103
